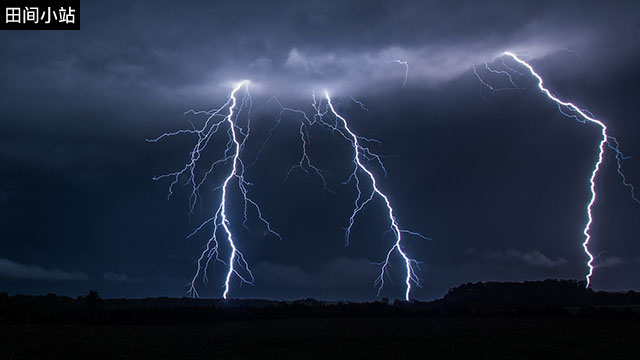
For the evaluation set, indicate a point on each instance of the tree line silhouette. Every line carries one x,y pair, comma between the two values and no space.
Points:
551,298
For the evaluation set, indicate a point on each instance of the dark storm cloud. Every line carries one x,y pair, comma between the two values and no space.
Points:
351,278
77,106
120,277
174,52
13,270
609,261
533,257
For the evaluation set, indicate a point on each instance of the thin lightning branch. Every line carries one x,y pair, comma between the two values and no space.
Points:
305,164
237,137
406,69
264,144
615,146
574,52
605,140
508,68
489,86
361,152
501,72
359,103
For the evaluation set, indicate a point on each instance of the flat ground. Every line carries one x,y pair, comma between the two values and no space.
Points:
339,338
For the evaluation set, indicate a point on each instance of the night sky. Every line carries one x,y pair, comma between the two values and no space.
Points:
498,180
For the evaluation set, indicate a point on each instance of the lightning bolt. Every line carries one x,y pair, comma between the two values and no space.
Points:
584,116
237,137
362,152
406,69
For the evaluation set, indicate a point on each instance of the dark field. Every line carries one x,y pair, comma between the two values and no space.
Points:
332,338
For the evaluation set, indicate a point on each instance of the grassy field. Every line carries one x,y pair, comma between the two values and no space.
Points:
340,338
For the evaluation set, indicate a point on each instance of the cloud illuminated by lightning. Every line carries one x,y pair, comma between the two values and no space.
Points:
237,137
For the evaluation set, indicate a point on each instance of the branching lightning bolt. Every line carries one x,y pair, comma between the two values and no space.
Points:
237,137
363,152
583,116
305,164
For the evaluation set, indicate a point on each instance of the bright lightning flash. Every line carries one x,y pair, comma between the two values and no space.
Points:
583,116
237,137
361,152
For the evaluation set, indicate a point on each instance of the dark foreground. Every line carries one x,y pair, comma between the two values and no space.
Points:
332,338
531,320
